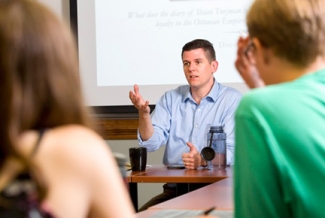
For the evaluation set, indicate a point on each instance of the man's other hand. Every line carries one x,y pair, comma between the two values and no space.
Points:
191,160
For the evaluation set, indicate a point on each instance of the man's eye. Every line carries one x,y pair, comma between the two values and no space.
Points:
186,64
198,62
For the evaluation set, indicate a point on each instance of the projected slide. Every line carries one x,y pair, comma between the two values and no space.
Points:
140,41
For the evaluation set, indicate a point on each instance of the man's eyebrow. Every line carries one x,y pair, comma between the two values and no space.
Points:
196,59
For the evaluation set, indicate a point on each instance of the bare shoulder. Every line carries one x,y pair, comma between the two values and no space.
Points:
73,132
68,134
73,145
74,138
73,161
72,149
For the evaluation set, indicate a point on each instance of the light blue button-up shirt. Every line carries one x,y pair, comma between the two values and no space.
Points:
178,119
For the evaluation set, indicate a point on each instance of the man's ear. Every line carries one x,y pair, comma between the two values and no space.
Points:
261,49
214,66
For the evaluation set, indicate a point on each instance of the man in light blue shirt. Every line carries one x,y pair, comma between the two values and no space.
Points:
182,116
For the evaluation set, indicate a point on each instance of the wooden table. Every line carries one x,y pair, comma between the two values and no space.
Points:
160,174
218,194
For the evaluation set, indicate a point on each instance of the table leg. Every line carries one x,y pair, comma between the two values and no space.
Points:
182,188
133,187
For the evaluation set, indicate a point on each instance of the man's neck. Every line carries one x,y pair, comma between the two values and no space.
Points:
284,71
198,93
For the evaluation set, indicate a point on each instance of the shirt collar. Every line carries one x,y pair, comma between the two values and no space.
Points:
212,95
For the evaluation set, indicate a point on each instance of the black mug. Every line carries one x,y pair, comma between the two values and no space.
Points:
138,158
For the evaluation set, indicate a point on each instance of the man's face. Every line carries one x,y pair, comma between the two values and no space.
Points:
198,69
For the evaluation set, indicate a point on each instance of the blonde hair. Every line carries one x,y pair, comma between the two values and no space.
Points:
293,29
39,75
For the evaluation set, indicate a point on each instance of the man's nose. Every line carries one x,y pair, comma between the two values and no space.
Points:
191,67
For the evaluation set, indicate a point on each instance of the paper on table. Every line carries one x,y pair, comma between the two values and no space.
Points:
192,213
127,166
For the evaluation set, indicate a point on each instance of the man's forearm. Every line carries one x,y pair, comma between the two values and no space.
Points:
145,126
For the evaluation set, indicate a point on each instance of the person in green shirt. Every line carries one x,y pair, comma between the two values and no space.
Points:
279,168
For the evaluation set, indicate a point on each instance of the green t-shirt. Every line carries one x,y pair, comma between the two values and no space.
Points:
280,150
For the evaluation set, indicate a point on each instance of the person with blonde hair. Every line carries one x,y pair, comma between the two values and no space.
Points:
45,129
279,125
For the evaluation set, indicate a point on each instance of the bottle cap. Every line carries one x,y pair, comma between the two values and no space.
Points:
216,129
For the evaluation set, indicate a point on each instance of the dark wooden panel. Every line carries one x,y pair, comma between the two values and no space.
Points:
118,128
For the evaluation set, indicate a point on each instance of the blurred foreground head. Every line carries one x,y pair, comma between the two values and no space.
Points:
39,76
293,29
